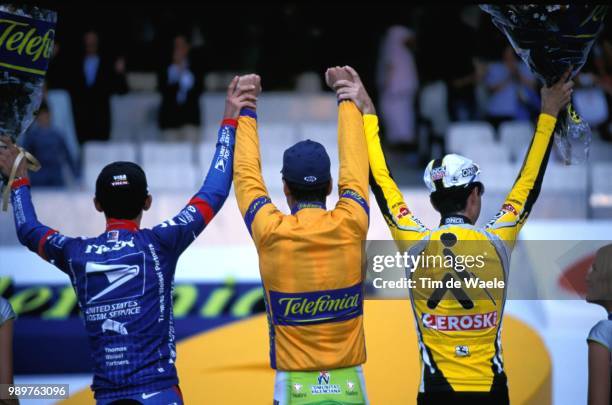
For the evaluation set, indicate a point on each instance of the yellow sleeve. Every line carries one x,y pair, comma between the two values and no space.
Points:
253,201
353,156
402,223
519,202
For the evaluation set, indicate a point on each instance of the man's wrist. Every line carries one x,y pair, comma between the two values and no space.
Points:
248,112
20,181
549,111
229,121
369,109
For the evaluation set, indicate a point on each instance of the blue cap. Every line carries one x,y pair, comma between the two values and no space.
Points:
306,164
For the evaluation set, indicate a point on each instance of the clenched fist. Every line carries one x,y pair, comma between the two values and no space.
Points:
333,74
8,155
238,98
245,82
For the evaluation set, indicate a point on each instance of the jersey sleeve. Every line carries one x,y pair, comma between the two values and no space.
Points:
519,202
404,225
6,311
602,333
353,173
179,232
48,243
255,205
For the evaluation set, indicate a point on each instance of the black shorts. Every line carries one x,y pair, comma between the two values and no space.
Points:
497,397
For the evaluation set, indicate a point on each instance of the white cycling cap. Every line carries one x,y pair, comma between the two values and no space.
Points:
451,171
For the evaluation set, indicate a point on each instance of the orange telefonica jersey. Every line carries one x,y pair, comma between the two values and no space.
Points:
311,262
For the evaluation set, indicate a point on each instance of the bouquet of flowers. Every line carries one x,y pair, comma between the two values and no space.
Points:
26,44
550,39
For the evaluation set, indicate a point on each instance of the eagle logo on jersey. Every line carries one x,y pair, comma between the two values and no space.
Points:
115,279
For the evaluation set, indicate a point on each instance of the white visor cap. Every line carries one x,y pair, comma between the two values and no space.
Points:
451,171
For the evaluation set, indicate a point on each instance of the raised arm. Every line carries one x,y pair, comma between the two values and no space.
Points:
253,200
519,202
7,315
6,361
599,373
30,232
352,152
178,232
402,223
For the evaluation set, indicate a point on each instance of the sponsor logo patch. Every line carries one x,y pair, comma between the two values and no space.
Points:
438,173
469,171
462,351
509,208
316,307
403,212
114,326
116,246
113,236
120,180
457,323
115,279
58,240
324,385
223,157
453,221
26,44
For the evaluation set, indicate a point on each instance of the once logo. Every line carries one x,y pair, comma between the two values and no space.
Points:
310,179
469,172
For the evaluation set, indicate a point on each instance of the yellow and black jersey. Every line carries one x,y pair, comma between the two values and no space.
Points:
458,332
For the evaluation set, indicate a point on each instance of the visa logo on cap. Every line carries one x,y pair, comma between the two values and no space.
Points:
120,180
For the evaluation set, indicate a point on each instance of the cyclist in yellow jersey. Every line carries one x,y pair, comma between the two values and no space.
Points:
311,261
458,334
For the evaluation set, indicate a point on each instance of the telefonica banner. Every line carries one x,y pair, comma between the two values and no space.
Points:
26,44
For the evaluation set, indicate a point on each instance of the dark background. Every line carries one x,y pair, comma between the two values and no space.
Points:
278,41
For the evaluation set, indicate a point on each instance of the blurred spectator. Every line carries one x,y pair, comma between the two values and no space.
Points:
95,80
462,92
602,59
7,315
180,85
56,77
589,99
47,144
511,89
599,291
460,48
398,83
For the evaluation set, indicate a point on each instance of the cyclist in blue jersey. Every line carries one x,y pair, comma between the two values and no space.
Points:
123,279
